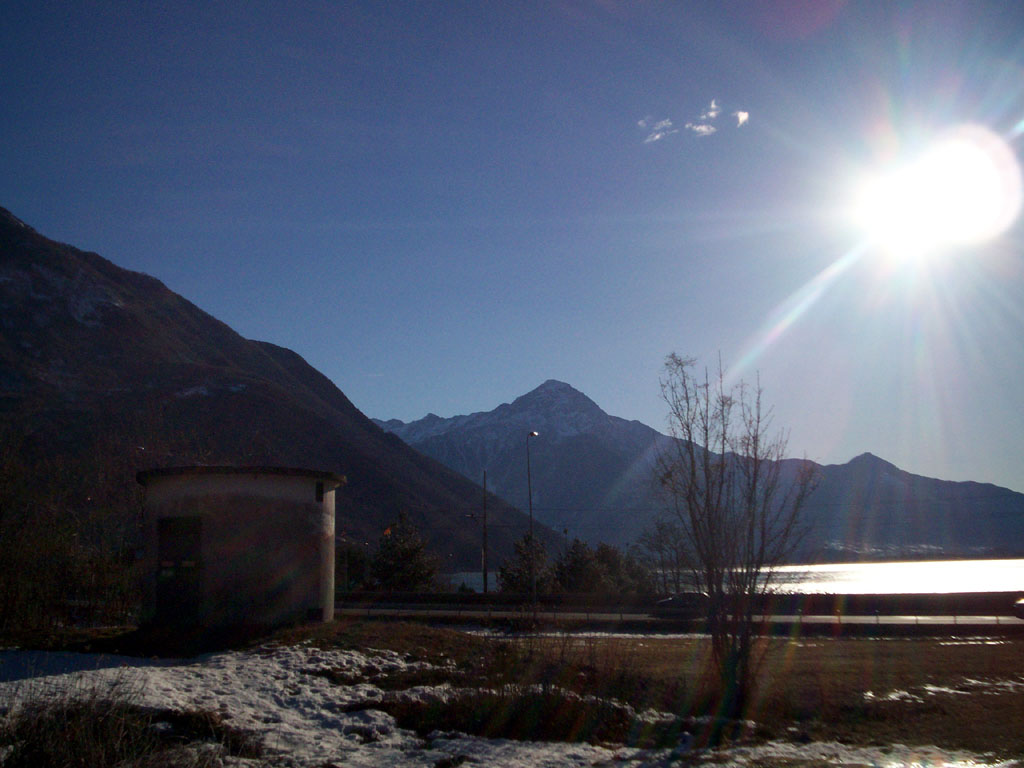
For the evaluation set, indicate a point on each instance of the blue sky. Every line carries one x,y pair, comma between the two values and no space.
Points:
441,205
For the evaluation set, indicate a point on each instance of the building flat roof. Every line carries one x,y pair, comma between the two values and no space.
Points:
147,475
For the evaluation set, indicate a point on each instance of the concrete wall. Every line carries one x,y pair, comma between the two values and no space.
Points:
265,546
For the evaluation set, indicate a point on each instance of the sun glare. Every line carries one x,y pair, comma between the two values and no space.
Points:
963,189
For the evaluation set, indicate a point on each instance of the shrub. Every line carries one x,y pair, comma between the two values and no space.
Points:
532,713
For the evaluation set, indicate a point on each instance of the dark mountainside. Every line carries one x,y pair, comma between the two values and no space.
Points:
104,371
871,509
592,474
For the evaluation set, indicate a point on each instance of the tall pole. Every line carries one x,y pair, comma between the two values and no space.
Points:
345,579
483,546
529,499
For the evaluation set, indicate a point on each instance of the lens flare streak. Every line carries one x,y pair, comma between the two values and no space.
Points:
793,308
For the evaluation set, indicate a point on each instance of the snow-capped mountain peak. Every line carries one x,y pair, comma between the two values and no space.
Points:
554,409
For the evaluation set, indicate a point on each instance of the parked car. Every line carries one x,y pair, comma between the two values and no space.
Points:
1018,608
685,605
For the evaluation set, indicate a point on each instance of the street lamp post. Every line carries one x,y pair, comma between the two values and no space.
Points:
483,539
529,499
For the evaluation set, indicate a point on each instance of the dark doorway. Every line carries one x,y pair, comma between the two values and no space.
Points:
179,571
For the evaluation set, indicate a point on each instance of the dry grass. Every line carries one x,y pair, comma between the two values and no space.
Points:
953,694
821,688
809,689
852,690
98,726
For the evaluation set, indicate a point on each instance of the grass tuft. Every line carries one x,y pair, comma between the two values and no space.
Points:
517,712
104,726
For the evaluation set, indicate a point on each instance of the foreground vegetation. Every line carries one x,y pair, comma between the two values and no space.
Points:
956,694
92,727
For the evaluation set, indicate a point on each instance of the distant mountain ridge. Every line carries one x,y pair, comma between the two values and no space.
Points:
554,407
590,471
592,477
110,369
870,508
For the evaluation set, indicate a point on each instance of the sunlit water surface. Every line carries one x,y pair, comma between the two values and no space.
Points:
905,577
874,578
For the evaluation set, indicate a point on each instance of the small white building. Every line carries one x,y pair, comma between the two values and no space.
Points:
233,546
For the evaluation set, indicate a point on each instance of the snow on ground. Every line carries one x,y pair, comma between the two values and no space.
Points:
303,718
967,687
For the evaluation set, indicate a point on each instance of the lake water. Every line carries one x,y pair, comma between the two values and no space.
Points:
872,578
906,577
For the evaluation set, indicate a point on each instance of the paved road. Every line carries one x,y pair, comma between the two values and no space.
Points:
495,613
642,618
919,620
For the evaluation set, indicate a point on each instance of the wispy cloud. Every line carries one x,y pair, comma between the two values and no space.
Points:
656,130
703,126
701,129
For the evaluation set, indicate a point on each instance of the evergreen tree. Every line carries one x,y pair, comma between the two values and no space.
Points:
351,567
402,562
604,570
623,570
577,570
515,575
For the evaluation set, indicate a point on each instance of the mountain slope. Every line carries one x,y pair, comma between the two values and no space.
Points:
592,474
871,508
110,371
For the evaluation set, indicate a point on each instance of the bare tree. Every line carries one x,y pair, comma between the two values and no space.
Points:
737,505
661,548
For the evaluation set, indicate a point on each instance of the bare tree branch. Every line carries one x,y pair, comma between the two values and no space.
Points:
736,512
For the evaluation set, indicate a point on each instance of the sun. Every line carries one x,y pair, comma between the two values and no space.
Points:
963,189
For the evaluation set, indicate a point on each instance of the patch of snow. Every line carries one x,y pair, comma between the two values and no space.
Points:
994,686
275,693
554,409
85,302
306,720
966,687
83,294
976,641
833,753
200,391
892,696
934,689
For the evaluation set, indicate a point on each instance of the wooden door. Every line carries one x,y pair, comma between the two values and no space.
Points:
179,570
